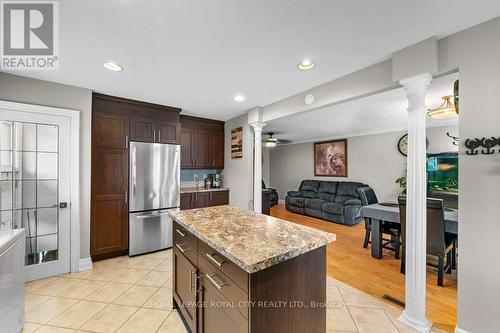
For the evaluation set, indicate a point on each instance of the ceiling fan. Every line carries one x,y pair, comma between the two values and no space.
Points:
271,141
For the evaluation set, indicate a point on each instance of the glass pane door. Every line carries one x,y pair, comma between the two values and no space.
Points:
29,183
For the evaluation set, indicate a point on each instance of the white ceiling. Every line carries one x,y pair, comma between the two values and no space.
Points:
380,113
198,54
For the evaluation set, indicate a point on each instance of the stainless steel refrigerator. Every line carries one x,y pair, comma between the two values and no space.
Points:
154,189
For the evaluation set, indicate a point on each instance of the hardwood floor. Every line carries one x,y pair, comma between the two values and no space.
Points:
349,262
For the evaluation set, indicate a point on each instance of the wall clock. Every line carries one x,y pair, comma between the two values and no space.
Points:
403,144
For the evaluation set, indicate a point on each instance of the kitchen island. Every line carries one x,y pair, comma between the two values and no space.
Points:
240,271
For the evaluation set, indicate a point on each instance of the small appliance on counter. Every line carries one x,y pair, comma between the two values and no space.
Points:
208,182
154,189
216,180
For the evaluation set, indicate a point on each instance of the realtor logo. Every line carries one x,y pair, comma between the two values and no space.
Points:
30,38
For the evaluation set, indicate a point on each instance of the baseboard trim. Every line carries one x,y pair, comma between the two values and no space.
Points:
459,330
85,264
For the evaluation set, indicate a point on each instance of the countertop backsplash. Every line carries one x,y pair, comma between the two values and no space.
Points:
187,177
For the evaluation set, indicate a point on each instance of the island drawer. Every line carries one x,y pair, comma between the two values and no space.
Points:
235,273
210,274
186,243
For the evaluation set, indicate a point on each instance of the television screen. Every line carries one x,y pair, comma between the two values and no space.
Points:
442,172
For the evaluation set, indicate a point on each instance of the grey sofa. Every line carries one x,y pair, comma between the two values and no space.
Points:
334,201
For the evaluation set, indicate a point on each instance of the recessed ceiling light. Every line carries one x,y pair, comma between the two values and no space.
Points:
239,98
112,66
306,65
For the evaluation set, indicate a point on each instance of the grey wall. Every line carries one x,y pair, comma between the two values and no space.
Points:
266,165
372,159
476,52
238,173
26,90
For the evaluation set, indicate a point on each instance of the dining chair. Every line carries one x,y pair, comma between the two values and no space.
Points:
439,243
368,197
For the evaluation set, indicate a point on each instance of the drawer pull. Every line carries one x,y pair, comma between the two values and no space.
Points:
180,233
179,246
210,278
218,263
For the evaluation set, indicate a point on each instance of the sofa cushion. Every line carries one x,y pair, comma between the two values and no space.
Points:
309,185
327,190
353,202
313,203
347,190
293,194
295,201
308,194
313,212
333,208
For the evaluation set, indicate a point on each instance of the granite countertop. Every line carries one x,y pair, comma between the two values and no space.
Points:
202,189
252,241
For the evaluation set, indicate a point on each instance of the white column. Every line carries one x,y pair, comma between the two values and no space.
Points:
257,166
416,206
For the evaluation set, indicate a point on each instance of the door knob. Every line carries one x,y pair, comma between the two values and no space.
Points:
63,205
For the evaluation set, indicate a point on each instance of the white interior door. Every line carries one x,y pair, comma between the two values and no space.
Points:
35,170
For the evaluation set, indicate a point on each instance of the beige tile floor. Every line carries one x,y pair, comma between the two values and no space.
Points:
134,295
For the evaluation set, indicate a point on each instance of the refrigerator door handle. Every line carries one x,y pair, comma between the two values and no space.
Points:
148,216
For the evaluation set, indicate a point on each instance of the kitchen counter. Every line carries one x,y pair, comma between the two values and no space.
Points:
252,241
202,189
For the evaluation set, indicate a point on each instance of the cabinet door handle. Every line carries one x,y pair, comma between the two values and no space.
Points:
213,162
211,196
180,233
126,141
210,278
154,135
126,197
159,135
179,246
218,263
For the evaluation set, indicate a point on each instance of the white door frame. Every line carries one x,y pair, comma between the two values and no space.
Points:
74,117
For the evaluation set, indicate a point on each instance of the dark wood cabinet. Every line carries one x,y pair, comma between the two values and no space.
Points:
187,141
211,318
216,295
154,130
201,146
217,149
218,198
185,285
109,227
116,121
168,131
142,129
110,130
204,199
202,143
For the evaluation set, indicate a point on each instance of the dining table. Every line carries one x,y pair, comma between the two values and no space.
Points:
390,212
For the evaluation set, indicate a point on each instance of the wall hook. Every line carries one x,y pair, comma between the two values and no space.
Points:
488,144
454,138
472,145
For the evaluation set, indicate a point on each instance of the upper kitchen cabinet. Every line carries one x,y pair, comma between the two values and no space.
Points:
118,120
154,130
202,143
110,130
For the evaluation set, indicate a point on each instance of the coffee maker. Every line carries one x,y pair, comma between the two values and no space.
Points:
216,180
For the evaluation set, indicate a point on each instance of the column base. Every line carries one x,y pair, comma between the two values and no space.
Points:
421,326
